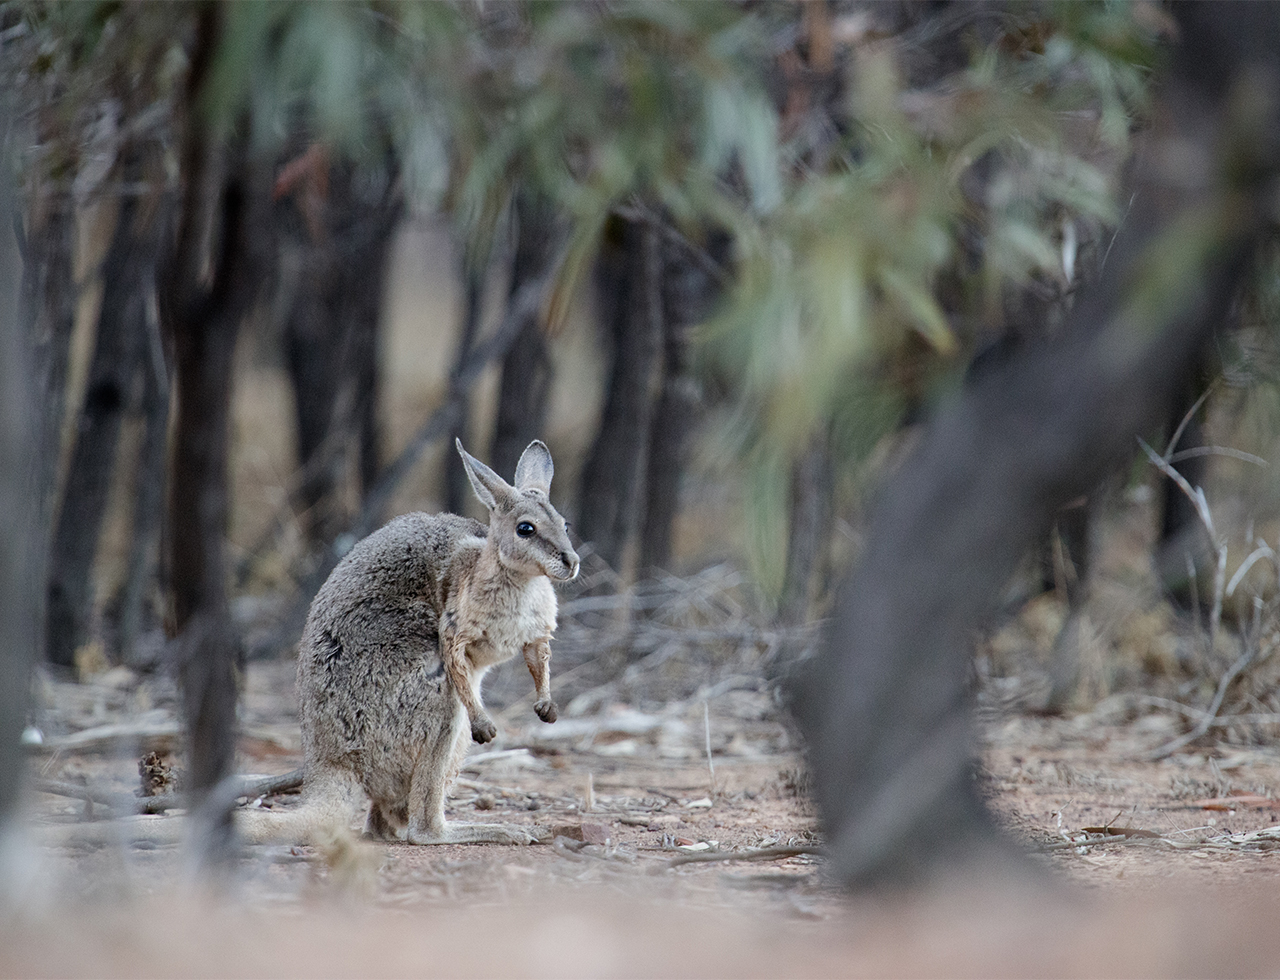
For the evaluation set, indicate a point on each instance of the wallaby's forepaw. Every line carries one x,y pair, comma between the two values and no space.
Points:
483,729
546,710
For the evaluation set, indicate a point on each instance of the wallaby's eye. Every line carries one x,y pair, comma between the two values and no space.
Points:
524,529
566,527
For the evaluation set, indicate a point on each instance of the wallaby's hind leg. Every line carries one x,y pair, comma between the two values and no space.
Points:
537,656
436,768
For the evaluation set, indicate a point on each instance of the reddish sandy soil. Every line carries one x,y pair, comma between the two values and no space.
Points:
1191,901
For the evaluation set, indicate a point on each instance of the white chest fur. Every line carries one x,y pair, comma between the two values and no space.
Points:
499,631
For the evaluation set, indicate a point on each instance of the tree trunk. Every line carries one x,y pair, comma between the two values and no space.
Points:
613,482
201,315
49,298
457,486
809,528
884,705
687,291
21,548
526,368
1182,551
331,338
148,501
119,343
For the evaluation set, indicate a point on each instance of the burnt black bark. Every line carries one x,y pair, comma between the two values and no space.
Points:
526,369
809,528
119,345
688,290
457,486
884,705
612,495
331,340
148,499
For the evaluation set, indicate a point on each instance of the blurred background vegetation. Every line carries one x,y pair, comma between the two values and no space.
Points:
719,255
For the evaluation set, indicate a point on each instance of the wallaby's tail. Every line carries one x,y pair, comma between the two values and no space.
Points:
307,823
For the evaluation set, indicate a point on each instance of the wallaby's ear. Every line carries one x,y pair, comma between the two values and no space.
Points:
487,485
535,468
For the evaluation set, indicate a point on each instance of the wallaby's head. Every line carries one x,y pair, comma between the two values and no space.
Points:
529,533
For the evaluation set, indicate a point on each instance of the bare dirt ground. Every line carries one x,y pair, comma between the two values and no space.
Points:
672,745
631,776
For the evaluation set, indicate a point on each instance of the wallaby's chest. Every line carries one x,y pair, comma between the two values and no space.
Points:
500,625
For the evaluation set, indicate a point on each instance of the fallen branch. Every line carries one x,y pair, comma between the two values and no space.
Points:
1198,714
73,791
159,736
1063,845
759,854
269,785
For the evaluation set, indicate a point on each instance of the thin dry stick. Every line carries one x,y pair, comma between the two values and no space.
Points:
1186,420
760,854
1240,454
1196,495
1197,714
1263,550
1224,683
1064,845
711,766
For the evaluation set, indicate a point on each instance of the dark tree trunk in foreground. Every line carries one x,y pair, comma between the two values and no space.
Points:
884,706
526,368
612,494
119,345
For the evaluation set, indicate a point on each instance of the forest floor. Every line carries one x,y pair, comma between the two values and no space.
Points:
626,788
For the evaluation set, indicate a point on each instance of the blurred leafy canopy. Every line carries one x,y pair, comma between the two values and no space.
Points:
874,240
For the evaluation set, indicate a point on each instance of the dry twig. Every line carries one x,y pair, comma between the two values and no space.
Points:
759,854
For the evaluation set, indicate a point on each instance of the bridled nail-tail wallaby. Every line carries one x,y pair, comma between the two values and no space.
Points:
395,646
398,640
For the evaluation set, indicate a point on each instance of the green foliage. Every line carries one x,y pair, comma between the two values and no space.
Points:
876,233
856,295
594,106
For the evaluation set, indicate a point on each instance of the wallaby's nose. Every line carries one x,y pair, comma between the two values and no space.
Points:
571,562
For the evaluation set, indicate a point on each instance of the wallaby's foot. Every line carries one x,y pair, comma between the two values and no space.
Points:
483,729
481,833
546,710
